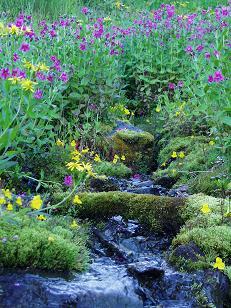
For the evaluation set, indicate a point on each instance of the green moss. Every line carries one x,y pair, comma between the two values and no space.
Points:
136,146
118,170
199,156
210,232
160,214
26,242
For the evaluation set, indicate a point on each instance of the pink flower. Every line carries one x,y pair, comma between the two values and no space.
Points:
64,77
207,55
85,10
218,77
25,47
171,86
38,94
4,73
82,46
68,180
210,78
189,49
15,57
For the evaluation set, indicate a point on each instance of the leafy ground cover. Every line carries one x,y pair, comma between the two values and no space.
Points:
69,70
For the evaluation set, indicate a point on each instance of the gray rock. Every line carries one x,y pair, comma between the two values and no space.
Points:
188,251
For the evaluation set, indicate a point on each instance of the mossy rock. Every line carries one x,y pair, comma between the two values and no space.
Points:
199,156
211,233
160,214
48,245
118,170
137,146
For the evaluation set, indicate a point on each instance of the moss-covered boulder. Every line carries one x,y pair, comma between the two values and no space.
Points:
136,145
184,158
26,242
209,232
118,170
160,214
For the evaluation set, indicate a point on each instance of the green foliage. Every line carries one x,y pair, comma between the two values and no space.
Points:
50,244
118,170
157,213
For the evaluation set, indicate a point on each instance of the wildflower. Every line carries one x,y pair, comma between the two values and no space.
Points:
205,209
211,142
219,264
123,157
36,202
38,94
7,193
41,217
97,158
115,159
13,29
25,47
174,154
218,77
77,200
27,64
64,77
107,19
68,180
74,225
75,166
51,239
19,201
14,80
85,151
181,155
9,207
177,113
163,164
171,86
126,111
2,200
85,10
73,143
4,73
28,85
60,143
15,57
158,109
83,46
43,67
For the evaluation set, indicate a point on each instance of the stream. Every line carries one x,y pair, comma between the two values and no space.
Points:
128,268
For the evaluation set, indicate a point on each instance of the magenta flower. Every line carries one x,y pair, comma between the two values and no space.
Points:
85,10
207,55
4,73
68,180
64,77
210,78
38,94
218,77
25,47
82,46
171,86
189,49
200,48
15,57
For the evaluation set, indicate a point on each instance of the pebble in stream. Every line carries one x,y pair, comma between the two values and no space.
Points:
128,270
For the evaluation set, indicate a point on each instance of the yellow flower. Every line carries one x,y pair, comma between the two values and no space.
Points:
205,209
73,143
97,158
158,109
15,80
115,159
85,151
177,113
9,207
19,201
126,111
51,239
7,193
60,143
41,217
28,85
106,19
77,200
181,155
123,157
2,200
42,67
75,166
211,142
174,154
13,29
27,64
36,202
163,165
219,264
74,225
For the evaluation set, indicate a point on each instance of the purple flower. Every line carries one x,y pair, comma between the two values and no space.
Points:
210,78
4,73
207,55
85,10
189,49
25,47
68,180
82,46
180,84
38,94
15,57
216,54
171,86
218,77
64,77
200,48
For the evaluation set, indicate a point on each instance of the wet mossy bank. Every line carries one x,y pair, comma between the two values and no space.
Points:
159,214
